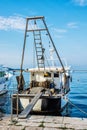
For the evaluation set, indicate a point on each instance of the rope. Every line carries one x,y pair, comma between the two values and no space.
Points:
75,106
47,61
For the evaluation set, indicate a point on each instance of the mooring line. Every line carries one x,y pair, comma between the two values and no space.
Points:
75,105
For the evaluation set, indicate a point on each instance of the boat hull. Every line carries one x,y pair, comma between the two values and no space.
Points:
3,92
45,105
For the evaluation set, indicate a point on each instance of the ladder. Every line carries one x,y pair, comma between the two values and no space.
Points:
39,49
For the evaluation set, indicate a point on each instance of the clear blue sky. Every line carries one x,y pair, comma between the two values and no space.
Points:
66,19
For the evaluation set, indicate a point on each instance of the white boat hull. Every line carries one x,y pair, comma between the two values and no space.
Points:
45,105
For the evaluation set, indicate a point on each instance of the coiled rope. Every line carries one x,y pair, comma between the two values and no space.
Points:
75,106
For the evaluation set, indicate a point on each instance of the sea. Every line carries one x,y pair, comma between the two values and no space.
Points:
77,106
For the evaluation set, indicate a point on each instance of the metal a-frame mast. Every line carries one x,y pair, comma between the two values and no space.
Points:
38,42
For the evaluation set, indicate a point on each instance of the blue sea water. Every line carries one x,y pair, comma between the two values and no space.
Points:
77,95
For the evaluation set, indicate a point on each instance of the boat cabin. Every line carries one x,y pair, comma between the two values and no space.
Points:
52,78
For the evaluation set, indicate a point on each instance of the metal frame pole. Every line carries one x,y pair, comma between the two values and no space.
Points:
17,105
11,108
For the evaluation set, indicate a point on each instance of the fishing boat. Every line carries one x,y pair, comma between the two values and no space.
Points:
4,80
49,77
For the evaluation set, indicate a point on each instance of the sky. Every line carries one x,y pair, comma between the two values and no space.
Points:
66,20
